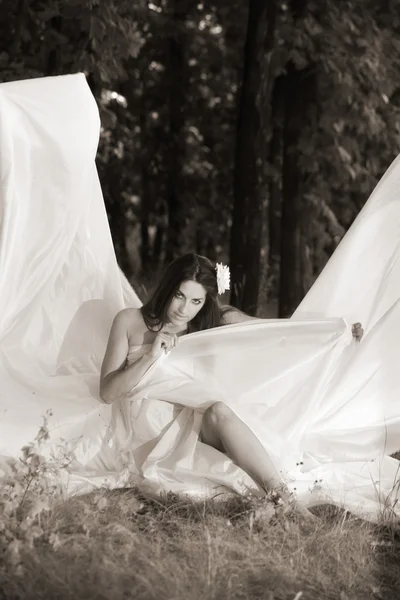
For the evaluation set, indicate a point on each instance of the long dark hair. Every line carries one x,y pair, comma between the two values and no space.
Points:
189,267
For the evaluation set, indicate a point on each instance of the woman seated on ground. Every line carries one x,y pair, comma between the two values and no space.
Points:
185,301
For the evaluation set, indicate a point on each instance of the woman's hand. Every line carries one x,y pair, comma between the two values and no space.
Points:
357,331
164,342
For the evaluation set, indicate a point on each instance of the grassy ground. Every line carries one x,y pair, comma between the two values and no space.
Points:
119,545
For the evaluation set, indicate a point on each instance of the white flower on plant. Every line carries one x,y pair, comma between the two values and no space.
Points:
223,278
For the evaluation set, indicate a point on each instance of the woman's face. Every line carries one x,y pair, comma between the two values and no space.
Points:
186,303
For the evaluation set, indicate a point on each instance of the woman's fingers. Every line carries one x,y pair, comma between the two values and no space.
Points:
168,340
357,331
165,341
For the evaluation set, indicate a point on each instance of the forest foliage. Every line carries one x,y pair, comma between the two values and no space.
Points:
249,131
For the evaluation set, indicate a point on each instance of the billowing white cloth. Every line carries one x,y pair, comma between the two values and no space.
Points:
324,407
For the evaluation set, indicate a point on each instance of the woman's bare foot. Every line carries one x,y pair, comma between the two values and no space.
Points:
287,505
296,509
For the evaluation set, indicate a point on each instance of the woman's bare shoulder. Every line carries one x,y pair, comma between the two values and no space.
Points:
130,313
127,316
136,328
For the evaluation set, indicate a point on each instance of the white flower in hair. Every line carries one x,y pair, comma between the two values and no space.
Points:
223,278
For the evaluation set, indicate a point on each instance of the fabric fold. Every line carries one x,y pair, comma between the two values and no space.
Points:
324,407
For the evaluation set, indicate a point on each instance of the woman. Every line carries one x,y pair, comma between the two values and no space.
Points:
186,301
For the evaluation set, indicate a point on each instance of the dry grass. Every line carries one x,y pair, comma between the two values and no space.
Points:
119,545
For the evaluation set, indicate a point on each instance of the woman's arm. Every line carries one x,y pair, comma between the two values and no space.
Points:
231,315
117,379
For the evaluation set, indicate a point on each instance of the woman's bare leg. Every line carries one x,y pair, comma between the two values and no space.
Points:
223,430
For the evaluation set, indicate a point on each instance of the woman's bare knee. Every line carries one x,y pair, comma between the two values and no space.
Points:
216,414
213,417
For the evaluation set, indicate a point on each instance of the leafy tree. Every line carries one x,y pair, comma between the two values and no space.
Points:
335,91
260,152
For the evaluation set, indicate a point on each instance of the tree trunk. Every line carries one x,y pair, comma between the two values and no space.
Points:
294,264
176,100
275,160
253,133
145,251
117,219
55,55
22,8
145,197
158,246
300,109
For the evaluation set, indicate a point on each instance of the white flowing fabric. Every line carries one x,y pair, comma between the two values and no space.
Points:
324,407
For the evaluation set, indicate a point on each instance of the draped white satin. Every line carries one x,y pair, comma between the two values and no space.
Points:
324,407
